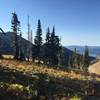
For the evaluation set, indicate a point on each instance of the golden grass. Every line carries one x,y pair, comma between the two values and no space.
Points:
30,68
95,68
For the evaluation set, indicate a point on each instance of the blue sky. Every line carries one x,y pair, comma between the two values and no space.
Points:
77,22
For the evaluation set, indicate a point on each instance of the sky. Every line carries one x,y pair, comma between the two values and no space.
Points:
77,22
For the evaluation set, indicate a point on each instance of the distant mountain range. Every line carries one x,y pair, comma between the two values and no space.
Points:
93,50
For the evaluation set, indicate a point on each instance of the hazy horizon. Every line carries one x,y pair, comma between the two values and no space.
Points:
77,22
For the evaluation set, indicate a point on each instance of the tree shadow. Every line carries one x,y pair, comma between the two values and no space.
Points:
13,76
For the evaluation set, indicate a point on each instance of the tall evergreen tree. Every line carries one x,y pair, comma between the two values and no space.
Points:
70,61
38,41
21,51
86,58
47,47
54,48
62,57
15,27
81,62
74,58
48,36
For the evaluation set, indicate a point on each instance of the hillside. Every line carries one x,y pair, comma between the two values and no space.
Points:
29,81
6,43
95,67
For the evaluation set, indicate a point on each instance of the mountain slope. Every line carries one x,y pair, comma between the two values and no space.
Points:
95,68
7,43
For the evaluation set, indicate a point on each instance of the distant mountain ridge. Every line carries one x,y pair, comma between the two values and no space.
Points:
93,50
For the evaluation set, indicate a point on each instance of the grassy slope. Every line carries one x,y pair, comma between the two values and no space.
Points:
26,80
95,68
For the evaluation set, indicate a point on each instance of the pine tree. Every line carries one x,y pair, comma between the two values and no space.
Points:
38,41
47,47
15,27
74,58
54,48
78,60
81,62
21,51
86,58
62,57
48,36
70,61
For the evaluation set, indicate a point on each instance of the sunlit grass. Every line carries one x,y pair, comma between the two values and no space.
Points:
30,68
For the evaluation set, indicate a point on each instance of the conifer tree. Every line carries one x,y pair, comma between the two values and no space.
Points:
78,61
48,36
62,57
21,51
70,61
38,41
15,27
86,58
81,62
54,48
47,47
74,58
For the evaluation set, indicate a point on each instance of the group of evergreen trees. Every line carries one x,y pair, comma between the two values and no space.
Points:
79,61
52,48
48,52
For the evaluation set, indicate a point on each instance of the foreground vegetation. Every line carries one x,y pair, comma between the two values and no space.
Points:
29,81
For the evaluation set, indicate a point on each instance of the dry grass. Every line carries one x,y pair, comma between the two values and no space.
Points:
95,68
8,56
30,68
